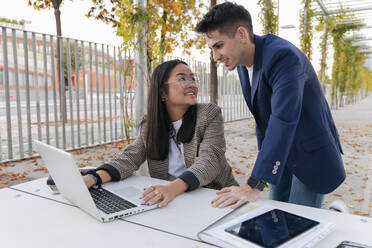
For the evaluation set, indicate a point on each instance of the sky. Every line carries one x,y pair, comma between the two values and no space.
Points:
74,22
76,25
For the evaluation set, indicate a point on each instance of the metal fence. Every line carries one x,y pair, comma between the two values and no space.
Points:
83,99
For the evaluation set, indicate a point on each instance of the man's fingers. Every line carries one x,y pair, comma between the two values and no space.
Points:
224,190
221,195
221,199
241,202
229,201
216,200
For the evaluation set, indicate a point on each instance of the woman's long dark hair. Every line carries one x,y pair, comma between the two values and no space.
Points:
158,123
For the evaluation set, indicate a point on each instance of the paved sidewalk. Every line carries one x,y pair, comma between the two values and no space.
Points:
354,123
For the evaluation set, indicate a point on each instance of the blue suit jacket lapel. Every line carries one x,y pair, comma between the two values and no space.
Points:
257,66
244,82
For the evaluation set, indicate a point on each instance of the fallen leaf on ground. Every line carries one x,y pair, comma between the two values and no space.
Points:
360,213
237,170
7,164
42,169
359,200
3,185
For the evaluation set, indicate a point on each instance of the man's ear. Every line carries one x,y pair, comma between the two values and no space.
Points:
242,34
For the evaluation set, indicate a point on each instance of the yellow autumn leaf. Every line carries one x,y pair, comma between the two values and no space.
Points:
176,8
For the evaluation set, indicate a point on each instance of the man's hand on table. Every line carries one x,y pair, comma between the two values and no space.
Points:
235,196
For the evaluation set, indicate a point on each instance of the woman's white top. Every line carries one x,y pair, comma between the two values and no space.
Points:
176,158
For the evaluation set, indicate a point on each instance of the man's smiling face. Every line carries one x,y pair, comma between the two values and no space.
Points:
225,49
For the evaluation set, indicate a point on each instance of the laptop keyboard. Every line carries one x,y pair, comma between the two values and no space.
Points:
108,202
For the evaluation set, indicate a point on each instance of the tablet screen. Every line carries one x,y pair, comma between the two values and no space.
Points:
272,228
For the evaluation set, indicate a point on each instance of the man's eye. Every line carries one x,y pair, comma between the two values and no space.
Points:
181,79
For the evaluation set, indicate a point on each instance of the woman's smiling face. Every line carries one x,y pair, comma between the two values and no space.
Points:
182,88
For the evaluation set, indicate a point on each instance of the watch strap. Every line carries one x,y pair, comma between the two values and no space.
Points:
256,183
96,176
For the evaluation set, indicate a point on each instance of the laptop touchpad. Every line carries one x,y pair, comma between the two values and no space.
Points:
127,191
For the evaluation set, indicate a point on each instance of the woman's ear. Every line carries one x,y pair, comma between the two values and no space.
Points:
163,97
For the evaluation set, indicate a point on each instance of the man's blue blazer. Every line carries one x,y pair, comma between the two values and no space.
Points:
294,125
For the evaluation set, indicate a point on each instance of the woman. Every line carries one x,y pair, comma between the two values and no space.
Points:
181,140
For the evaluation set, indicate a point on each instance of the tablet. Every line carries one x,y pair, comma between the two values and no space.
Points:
351,244
272,228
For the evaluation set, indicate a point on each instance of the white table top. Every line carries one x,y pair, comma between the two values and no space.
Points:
181,216
191,212
29,221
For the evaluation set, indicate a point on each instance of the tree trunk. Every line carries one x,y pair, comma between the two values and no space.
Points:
162,37
141,70
323,63
213,80
62,96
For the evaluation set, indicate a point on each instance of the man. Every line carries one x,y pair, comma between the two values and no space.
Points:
299,148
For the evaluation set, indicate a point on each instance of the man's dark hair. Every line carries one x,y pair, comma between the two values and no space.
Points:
226,18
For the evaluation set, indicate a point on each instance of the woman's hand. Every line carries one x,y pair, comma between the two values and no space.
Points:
163,194
89,181
235,195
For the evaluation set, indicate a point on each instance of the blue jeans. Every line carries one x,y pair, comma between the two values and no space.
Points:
291,189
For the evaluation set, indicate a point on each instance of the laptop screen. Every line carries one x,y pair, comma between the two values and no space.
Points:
272,228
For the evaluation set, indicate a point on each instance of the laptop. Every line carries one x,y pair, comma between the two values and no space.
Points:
102,203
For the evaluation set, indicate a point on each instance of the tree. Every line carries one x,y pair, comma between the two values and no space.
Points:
72,54
213,68
168,24
306,28
21,22
48,4
268,17
325,24
55,4
343,56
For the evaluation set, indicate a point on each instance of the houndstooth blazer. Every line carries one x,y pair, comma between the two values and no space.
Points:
204,155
